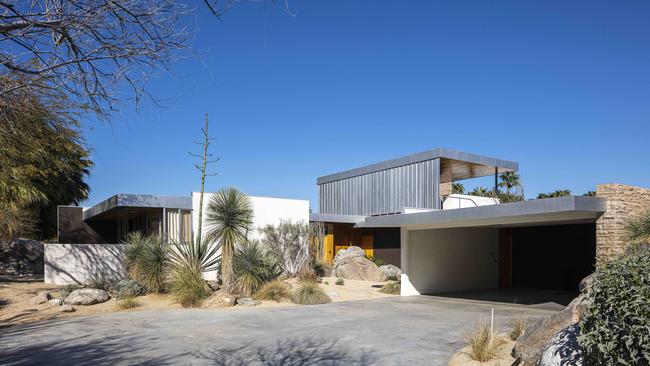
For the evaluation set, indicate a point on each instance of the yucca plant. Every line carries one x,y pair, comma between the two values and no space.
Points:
147,260
254,266
228,221
275,290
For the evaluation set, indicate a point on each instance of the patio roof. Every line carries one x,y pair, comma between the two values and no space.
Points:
137,200
560,210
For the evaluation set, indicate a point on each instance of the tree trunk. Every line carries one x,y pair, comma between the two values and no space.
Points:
227,271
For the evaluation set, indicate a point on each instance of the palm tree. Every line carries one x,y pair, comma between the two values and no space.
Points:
457,188
480,191
228,220
509,180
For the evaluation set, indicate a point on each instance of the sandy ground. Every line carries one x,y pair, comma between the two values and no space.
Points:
462,357
15,307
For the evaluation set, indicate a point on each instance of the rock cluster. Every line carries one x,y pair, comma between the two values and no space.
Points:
22,257
352,264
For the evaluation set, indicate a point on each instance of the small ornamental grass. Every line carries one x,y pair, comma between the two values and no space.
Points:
309,293
614,328
187,284
274,290
307,275
391,288
128,302
484,343
339,282
519,326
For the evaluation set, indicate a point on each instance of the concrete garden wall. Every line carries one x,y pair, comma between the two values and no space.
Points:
78,263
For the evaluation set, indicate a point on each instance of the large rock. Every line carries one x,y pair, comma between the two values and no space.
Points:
31,249
219,299
352,264
247,301
391,271
41,298
586,284
530,346
87,296
23,257
563,349
67,309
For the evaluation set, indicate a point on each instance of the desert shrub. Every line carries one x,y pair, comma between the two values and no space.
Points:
377,261
614,328
148,261
309,293
319,267
100,282
339,282
290,242
254,266
307,275
67,290
638,229
187,284
128,288
484,343
519,326
392,288
274,290
128,302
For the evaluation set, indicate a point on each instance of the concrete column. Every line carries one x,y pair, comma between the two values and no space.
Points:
437,203
407,287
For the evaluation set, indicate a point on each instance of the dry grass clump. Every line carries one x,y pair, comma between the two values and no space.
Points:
391,288
307,275
339,282
519,326
274,290
128,302
484,344
309,293
187,285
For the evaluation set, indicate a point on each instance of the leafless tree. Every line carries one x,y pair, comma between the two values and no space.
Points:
290,242
92,49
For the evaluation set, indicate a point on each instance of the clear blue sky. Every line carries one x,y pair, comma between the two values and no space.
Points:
562,87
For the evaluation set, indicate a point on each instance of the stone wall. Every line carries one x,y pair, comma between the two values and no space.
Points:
445,189
623,203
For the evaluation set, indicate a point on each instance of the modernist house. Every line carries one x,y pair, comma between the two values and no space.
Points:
403,211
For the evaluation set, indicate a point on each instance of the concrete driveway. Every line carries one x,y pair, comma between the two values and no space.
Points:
393,331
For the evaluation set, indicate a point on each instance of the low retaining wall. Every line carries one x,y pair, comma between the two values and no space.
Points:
78,263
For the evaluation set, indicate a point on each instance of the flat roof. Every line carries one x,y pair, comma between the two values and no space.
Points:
461,165
560,210
138,200
335,218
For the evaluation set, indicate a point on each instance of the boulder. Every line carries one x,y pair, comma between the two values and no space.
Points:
30,249
586,284
22,257
358,268
41,298
219,299
391,271
247,301
349,252
66,309
55,302
87,296
530,346
563,349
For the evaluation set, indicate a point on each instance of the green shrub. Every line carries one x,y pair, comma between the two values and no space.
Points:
307,275
187,284
148,261
377,261
128,302
309,293
254,266
519,326
67,290
319,267
128,288
274,290
339,282
484,343
392,288
614,328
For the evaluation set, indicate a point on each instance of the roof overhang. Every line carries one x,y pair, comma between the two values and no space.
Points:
550,211
138,200
454,165
333,218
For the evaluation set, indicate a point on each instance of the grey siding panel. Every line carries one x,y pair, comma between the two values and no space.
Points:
383,192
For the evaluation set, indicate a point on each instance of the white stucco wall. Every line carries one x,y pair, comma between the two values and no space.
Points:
446,260
78,263
266,210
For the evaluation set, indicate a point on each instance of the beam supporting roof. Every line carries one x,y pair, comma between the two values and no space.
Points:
138,200
461,165
570,209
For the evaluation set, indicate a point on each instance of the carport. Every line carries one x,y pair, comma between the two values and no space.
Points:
528,251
